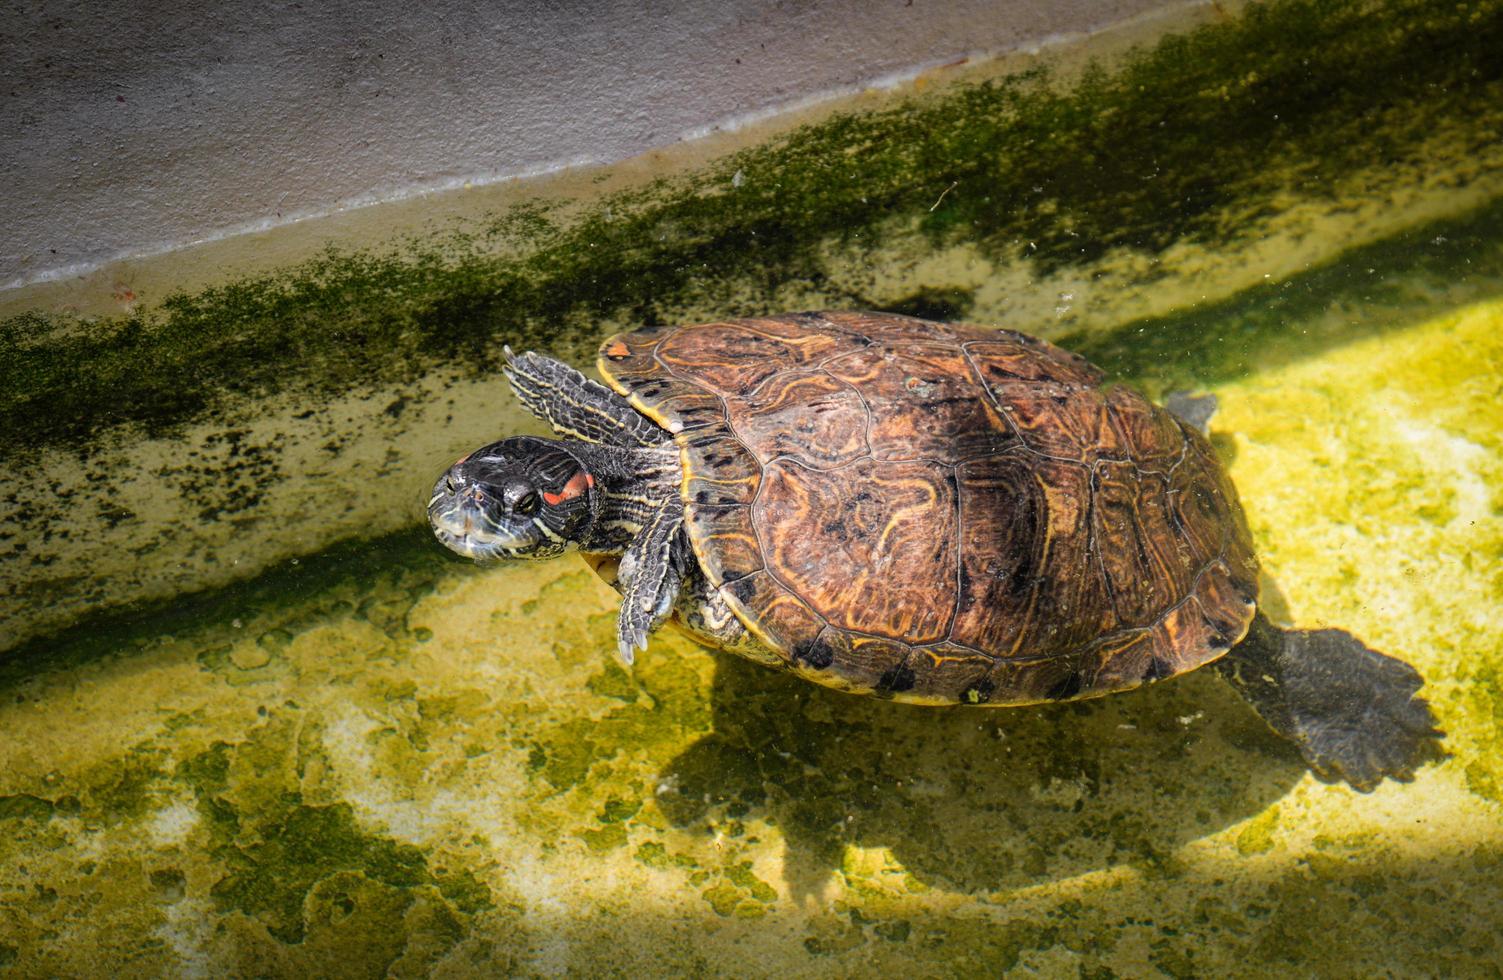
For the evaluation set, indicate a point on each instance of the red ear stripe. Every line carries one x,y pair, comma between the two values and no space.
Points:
578,484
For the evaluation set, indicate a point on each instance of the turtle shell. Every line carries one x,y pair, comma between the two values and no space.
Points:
941,513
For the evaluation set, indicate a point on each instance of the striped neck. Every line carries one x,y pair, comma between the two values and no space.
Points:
630,484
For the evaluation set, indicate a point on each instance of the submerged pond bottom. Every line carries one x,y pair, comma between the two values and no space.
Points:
377,760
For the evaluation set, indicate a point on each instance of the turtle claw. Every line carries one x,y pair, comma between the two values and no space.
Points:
636,622
649,576
633,624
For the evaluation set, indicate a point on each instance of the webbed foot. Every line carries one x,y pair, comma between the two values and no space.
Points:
646,603
1353,712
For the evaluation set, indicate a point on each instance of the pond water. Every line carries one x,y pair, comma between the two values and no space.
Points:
371,758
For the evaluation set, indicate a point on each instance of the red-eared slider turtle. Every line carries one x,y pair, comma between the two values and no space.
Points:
919,511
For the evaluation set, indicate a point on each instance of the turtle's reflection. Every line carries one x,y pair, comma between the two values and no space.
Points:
976,800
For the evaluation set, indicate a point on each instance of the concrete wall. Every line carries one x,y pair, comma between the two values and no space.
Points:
131,127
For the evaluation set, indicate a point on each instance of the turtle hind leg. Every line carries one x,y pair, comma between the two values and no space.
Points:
1352,711
1194,410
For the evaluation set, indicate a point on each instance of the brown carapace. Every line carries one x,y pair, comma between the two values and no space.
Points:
943,514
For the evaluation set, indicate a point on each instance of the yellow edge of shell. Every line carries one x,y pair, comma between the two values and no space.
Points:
602,364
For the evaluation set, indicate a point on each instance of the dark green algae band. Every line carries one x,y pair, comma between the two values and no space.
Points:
1161,149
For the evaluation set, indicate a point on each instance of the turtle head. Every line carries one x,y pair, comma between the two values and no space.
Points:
517,498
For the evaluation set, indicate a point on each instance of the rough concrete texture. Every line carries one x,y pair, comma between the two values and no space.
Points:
382,762
163,438
132,128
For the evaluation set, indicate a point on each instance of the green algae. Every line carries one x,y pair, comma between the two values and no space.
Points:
1260,833
617,810
742,876
1484,684
578,752
604,839
273,878
402,567
724,898
281,851
613,682
655,855
24,806
128,786
1184,142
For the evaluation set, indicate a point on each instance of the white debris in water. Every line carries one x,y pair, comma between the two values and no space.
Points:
187,929
416,820
171,825
1453,459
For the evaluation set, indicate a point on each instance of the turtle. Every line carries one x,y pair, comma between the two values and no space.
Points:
926,512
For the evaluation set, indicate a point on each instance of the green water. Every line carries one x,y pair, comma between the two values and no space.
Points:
367,758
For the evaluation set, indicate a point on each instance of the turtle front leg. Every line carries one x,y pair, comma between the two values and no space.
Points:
1352,711
577,407
650,576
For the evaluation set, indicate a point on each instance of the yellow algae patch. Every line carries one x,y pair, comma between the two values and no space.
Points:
1373,479
1258,835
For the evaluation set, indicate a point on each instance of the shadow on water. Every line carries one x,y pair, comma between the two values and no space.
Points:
977,800
404,562
1369,291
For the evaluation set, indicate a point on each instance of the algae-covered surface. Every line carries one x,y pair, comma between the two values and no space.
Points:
359,756
380,761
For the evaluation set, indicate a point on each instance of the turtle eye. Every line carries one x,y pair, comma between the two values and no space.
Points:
526,504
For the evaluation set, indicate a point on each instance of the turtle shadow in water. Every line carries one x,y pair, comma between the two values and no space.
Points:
976,800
